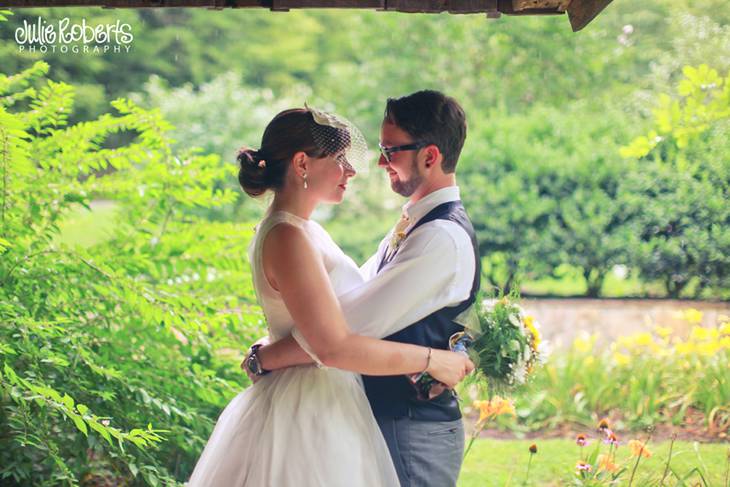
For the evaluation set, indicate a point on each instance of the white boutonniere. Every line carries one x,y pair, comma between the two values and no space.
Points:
396,239
399,233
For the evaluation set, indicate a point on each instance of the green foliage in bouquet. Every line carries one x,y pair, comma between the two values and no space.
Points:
115,359
505,342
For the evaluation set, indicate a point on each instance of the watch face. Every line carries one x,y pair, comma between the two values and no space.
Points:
252,365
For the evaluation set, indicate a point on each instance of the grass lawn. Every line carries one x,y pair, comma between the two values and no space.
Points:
83,227
571,283
504,462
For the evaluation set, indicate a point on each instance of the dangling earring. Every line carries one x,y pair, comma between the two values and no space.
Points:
305,180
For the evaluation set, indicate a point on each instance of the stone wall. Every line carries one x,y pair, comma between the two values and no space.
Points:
562,320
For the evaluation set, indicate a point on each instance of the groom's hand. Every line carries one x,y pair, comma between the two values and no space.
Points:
449,368
263,341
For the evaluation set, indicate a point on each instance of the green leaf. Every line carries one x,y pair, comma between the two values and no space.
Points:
68,402
4,245
78,421
99,428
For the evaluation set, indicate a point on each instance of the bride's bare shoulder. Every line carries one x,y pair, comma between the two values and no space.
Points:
286,243
284,235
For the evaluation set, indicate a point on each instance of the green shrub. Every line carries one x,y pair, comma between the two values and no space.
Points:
116,358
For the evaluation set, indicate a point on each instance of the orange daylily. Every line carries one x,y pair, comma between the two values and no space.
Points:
494,407
605,463
639,448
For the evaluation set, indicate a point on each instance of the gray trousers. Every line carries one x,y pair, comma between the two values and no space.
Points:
425,453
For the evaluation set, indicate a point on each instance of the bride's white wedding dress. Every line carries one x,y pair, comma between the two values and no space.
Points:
301,426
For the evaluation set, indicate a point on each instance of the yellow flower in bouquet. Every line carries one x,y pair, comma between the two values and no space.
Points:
530,325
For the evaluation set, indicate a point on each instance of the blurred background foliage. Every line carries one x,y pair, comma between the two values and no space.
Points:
596,164
548,111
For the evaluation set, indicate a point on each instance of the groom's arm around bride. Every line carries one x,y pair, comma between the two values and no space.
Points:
424,274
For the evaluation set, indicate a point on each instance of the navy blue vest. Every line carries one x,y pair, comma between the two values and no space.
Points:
394,396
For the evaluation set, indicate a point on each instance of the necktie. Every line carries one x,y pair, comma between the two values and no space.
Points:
399,233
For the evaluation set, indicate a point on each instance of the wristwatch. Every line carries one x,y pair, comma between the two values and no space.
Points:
253,363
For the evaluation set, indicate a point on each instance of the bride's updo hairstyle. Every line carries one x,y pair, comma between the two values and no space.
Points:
289,132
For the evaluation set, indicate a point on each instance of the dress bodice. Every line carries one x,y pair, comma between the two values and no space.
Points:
342,271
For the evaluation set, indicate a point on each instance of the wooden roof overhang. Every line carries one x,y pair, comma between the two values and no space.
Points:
580,12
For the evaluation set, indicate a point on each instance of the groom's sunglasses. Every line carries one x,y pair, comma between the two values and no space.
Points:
388,151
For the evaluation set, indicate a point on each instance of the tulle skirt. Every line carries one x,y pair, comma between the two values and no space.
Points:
302,427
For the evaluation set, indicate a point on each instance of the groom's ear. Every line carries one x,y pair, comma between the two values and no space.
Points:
432,156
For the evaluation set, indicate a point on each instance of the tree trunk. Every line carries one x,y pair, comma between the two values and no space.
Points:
594,281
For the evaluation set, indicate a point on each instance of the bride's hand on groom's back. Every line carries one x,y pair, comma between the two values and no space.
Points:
450,368
263,341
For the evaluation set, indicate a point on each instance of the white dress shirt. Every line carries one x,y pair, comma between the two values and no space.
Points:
433,268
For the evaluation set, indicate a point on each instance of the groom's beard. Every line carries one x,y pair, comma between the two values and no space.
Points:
407,188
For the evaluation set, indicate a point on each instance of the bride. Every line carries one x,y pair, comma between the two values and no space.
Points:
309,425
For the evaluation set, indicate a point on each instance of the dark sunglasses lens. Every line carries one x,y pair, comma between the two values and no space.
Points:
386,154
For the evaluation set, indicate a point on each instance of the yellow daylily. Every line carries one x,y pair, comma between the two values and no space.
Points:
725,328
643,339
708,348
700,333
584,345
663,331
621,358
693,315
685,348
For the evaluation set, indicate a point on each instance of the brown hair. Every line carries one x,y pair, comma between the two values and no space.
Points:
432,117
289,132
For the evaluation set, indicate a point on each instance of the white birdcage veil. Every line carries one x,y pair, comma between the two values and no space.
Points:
335,135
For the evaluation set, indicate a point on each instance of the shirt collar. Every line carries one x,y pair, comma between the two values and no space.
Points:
420,208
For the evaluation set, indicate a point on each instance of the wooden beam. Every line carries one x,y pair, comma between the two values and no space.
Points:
376,4
559,5
417,6
472,6
582,12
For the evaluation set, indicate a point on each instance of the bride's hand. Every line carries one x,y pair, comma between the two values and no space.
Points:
450,368
263,341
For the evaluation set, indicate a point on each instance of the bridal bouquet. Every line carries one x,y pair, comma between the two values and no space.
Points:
500,338
503,342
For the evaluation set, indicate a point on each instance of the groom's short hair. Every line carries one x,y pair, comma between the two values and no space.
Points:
432,117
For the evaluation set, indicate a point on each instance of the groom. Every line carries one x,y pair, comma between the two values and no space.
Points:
425,273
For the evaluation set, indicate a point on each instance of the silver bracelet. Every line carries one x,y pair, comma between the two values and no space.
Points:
428,360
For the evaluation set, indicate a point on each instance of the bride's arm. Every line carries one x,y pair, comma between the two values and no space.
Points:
400,294
283,353
297,271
